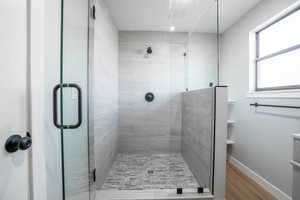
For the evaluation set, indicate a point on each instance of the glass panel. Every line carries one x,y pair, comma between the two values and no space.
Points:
202,67
75,71
282,70
52,78
202,73
202,48
281,35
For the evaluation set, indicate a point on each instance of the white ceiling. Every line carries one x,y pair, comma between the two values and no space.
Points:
185,15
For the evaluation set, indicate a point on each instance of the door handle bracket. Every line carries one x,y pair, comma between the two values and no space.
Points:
55,105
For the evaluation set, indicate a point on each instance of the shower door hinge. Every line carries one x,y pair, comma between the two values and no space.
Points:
94,12
94,175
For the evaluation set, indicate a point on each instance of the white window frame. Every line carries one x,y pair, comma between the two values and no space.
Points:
277,92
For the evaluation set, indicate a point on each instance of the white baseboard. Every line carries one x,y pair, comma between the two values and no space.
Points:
259,180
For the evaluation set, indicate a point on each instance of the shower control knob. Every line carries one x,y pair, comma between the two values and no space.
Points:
17,142
149,97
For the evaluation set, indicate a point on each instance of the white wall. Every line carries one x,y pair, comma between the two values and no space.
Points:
37,99
263,137
14,98
106,86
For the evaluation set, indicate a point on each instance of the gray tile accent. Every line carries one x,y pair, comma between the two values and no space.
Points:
197,133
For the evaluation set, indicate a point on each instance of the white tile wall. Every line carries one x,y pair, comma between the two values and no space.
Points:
155,126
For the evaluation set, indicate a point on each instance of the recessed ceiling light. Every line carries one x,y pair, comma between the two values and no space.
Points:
172,28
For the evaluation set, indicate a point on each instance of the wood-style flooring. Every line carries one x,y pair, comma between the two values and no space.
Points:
241,187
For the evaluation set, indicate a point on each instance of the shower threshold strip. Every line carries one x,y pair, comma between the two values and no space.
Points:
159,194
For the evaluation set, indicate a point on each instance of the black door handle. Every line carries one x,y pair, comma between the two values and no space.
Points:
55,118
17,142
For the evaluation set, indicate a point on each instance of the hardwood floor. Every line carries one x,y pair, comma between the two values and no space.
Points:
241,187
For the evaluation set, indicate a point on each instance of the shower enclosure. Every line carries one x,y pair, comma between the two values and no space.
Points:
134,110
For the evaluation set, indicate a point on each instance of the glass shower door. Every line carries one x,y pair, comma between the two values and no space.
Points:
74,99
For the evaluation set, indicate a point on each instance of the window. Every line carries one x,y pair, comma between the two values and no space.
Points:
277,56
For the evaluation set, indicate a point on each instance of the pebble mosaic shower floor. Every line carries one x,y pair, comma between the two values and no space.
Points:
155,171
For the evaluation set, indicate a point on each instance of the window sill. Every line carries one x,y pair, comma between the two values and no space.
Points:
288,94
